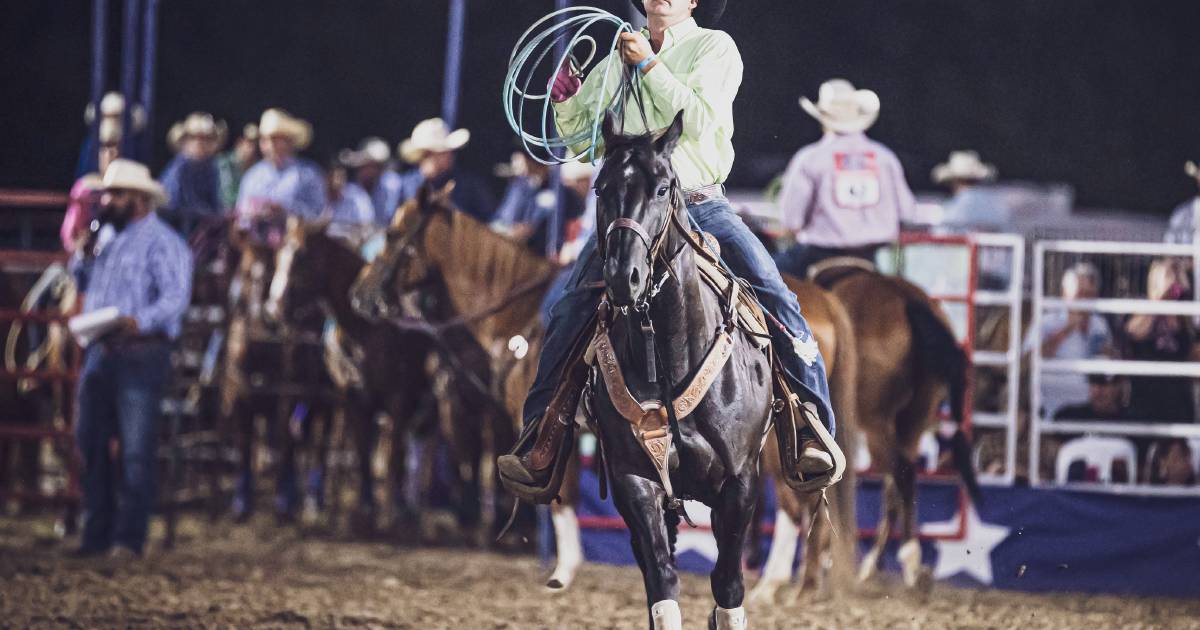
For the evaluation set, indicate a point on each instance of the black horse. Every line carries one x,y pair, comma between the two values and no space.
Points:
653,284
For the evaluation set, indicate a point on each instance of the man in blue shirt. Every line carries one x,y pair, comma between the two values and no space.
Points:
350,214
528,206
143,271
431,148
281,184
373,175
191,179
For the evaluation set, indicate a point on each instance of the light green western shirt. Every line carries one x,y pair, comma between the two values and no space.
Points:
699,71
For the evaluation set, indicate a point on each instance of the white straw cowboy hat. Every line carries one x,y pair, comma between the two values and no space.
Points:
125,174
277,122
196,124
963,166
370,151
432,136
111,107
842,108
250,132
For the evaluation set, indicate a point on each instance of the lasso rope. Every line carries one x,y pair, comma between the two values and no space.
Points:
531,50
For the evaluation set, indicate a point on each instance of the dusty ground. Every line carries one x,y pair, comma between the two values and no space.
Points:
266,577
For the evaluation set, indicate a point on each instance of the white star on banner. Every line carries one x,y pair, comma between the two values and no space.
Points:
972,554
700,541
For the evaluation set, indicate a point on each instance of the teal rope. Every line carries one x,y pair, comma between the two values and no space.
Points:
531,50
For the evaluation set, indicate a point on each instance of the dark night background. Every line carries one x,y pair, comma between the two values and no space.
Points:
1101,94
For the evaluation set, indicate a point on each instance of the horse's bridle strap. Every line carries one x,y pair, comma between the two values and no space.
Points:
629,224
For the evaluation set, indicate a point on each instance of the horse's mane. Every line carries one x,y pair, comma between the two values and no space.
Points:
481,268
484,264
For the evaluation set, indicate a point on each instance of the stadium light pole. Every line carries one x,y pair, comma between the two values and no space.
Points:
454,51
99,46
555,222
129,64
149,60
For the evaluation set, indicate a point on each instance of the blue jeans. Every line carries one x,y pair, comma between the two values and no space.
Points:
120,394
746,257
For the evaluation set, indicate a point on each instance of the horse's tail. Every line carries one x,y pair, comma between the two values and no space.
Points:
940,354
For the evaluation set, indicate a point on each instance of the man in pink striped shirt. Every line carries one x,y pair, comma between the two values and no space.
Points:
844,195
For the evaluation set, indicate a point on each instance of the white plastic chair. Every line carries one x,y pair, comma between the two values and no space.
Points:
1099,453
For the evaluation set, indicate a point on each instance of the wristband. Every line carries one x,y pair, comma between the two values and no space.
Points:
641,65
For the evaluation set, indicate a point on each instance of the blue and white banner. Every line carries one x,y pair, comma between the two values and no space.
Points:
1018,538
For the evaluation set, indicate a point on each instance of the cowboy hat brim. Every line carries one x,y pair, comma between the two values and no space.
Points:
861,122
413,152
179,132
943,173
707,12
158,194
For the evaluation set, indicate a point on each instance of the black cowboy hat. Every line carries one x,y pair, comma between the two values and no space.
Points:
707,13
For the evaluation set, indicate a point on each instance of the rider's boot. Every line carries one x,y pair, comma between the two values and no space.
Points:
534,469
808,462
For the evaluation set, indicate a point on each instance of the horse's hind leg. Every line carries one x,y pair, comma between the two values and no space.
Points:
888,501
909,553
731,521
640,502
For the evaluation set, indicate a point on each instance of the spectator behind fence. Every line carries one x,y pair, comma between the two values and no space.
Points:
1183,220
282,184
350,213
192,179
373,175
1170,463
234,163
144,272
1070,334
431,148
529,203
1163,338
1107,399
85,194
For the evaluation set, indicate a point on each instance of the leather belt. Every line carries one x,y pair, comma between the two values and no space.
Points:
702,194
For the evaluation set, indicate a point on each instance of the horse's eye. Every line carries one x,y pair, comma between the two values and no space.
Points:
662,191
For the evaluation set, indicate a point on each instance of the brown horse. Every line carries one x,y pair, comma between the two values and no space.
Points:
829,541
491,286
265,373
908,362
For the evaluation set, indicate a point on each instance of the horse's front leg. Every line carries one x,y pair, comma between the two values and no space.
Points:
731,519
640,502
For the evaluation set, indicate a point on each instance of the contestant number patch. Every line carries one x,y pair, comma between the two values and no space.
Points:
855,180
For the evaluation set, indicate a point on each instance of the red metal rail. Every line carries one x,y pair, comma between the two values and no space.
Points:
40,429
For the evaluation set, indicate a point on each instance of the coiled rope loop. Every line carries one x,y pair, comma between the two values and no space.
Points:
533,47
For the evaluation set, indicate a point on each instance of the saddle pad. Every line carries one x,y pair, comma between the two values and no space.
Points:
750,316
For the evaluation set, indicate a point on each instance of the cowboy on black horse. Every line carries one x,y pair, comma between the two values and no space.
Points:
684,66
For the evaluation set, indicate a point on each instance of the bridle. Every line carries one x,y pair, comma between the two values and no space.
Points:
654,245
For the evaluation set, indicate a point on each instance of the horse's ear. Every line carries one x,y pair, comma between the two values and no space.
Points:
424,194
665,144
443,195
609,129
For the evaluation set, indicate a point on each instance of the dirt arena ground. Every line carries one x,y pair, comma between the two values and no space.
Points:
267,577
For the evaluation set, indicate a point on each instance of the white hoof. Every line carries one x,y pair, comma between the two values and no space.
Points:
666,616
870,563
569,547
766,592
909,556
729,618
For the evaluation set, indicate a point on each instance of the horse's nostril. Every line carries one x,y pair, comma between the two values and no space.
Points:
634,278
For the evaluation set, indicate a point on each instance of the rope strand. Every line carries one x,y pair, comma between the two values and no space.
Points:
530,52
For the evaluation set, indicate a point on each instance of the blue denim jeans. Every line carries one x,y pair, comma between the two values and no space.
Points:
746,257
120,394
